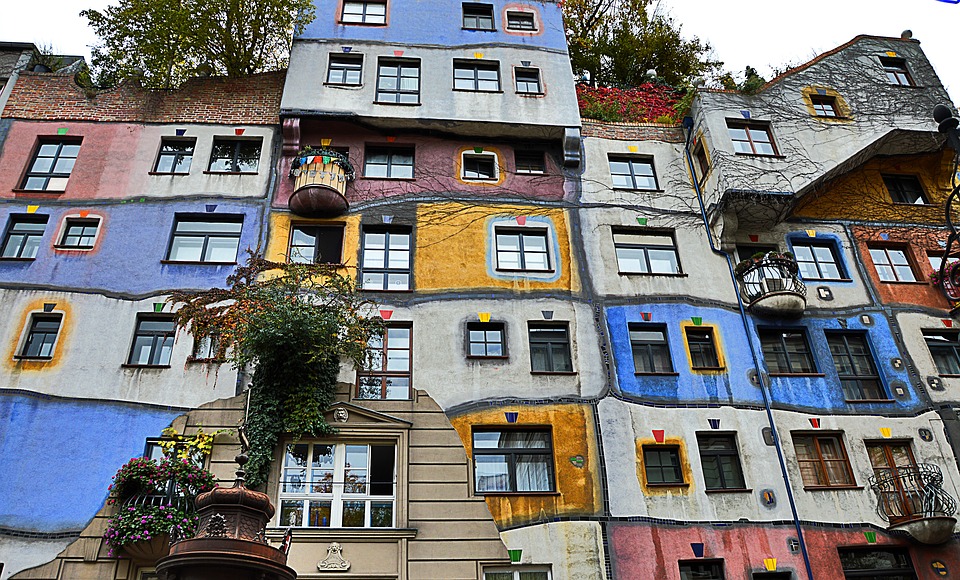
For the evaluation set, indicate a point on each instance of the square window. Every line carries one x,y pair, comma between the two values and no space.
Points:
853,362
530,162
702,570
42,336
896,71
479,167
344,69
522,250
316,244
512,460
645,252
523,21
398,81
528,81
486,340
22,239
152,341
751,137
235,155
817,261
175,156
203,239
476,76
51,165
892,264
823,460
633,173
478,17
365,12
388,375
905,189
702,348
720,461
786,351
651,352
79,233
385,262
661,464
338,485
945,348
825,106
550,348
388,162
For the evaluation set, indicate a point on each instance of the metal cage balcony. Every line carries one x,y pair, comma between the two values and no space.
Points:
912,499
771,287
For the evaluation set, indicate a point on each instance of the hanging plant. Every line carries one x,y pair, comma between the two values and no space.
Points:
951,271
293,323
308,155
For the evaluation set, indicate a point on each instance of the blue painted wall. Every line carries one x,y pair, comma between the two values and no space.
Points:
57,456
436,22
822,394
133,240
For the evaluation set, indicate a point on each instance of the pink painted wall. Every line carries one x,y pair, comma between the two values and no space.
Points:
645,551
435,169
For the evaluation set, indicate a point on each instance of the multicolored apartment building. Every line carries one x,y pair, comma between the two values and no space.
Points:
698,351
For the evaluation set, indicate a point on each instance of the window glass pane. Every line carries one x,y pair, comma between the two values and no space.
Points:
186,249
354,514
491,472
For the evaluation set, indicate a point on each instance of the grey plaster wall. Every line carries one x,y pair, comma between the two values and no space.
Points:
573,550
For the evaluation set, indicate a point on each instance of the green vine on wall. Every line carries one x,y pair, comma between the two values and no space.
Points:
293,323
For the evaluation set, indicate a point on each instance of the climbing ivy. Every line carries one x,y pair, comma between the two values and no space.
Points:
293,323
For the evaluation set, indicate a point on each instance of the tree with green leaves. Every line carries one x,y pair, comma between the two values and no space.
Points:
294,324
168,41
616,42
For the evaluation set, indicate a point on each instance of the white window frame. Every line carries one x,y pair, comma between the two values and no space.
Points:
207,235
338,494
474,155
522,231
533,14
64,227
364,16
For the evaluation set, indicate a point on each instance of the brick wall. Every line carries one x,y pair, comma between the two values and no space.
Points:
252,100
632,131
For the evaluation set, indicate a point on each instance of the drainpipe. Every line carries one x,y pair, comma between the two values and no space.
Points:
758,368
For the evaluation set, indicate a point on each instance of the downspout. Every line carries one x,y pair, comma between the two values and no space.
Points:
758,368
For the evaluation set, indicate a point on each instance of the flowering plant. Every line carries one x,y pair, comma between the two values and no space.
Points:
146,522
645,103
190,477
139,476
949,272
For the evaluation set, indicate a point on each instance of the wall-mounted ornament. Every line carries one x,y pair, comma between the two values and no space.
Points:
939,568
935,383
158,306
478,149
899,388
770,564
547,314
866,320
525,62
210,207
891,54
511,416
577,461
346,48
326,142
814,422
811,233
340,415
49,306
768,498
696,320
62,131
632,148
697,548
334,562
180,132
84,213
885,236
793,545
391,139
387,219
239,132
822,92
714,423
896,362
483,316
398,53
515,556
521,220
925,434
754,238
646,316
824,293
948,322
885,432
871,536
642,221
767,435
32,208
745,114
657,435
386,313
478,55
942,243
842,322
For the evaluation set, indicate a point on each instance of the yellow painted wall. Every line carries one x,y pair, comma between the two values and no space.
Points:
862,195
578,488
278,244
453,247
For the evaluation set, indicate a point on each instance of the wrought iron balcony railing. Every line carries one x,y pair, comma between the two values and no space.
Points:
771,286
915,492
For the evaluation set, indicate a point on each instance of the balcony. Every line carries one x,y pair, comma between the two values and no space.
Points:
321,183
770,286
913,501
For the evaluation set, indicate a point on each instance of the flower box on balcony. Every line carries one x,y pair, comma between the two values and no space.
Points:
321,183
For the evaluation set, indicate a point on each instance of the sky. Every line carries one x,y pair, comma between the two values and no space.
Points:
759,33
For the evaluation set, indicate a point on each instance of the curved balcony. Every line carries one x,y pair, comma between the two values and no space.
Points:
771,287
321,184
912,500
